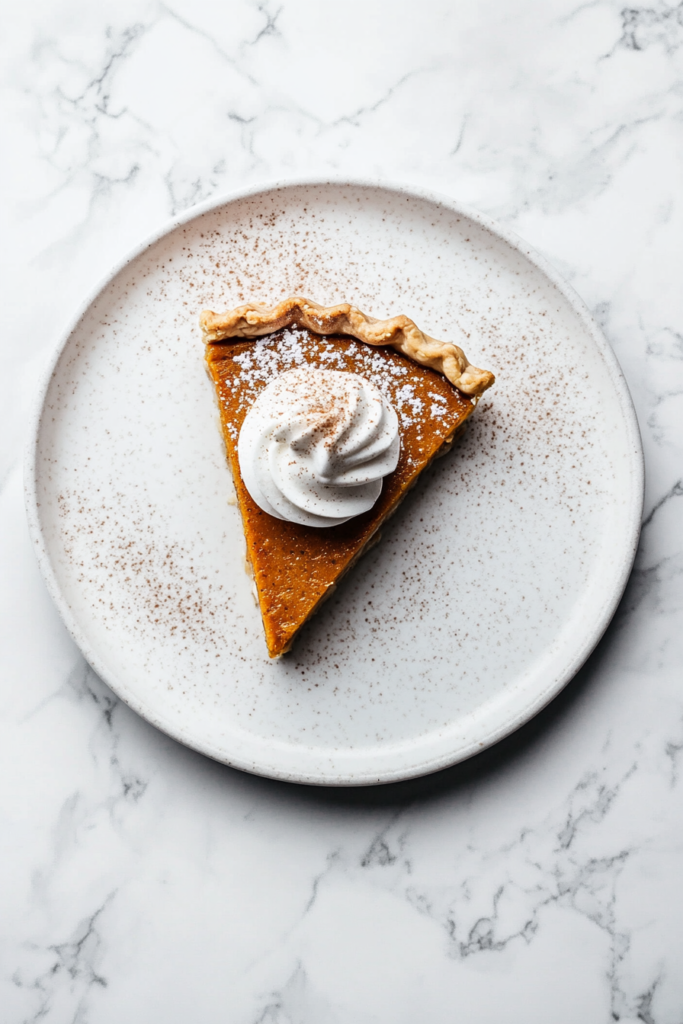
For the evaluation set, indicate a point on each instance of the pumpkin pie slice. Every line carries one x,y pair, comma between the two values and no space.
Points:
429,384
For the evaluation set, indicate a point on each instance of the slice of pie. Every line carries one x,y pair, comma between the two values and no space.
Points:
430,385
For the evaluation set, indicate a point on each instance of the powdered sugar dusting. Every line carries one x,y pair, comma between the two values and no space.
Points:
265,359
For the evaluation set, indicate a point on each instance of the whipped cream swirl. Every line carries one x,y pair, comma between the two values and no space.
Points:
315,446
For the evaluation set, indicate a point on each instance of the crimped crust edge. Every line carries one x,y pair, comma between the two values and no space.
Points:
400,332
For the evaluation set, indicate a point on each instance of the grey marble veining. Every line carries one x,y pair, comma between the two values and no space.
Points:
540,882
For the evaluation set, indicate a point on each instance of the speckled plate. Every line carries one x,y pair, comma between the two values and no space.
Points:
493,582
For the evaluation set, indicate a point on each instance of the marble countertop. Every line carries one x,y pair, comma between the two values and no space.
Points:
540,882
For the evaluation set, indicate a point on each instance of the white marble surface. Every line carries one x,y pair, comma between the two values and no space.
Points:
539,883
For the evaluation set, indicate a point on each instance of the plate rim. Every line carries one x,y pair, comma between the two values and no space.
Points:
579,308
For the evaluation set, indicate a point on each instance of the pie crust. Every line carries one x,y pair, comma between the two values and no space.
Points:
296,568
253,321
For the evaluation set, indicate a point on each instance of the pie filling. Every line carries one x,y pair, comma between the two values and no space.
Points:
297,565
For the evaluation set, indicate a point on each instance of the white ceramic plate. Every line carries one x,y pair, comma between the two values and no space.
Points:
493,582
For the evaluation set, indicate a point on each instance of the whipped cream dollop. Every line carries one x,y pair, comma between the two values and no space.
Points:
315,446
